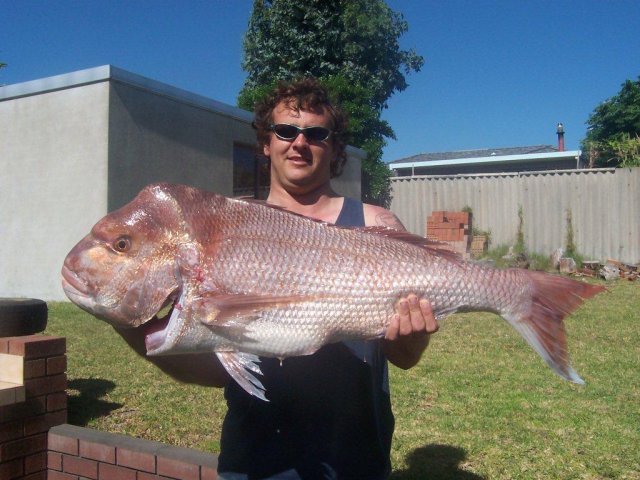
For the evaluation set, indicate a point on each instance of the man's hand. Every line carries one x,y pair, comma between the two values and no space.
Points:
408,332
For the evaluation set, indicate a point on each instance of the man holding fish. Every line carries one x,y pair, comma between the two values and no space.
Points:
328,414
300,313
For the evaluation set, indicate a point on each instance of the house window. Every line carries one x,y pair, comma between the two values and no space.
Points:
250,173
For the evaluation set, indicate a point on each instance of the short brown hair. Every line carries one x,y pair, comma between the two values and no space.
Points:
304,94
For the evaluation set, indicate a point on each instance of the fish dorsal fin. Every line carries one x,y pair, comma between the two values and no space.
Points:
238,308
442,248
263,203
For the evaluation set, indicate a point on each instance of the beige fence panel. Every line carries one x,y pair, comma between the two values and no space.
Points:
604,205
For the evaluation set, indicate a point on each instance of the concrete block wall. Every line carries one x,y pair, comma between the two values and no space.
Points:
81,453
35,366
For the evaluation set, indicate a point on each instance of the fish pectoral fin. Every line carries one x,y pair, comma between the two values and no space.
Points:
234,309
241,366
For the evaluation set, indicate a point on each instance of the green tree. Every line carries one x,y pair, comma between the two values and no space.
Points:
613,135
352,46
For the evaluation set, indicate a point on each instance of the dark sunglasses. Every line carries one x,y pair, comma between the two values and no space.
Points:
284,131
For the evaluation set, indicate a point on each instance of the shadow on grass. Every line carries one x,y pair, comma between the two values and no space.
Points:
438,462
87,405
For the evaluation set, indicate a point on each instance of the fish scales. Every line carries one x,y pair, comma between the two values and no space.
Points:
247,279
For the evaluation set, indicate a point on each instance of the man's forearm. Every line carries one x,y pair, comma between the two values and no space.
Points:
199,368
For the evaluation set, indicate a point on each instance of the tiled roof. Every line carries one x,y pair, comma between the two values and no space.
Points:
487,152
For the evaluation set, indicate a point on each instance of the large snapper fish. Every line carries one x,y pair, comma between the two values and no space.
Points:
243,279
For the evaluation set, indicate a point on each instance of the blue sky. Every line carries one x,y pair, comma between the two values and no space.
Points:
496,73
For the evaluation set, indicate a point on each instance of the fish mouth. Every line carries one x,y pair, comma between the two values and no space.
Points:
75,288
72,283
156,328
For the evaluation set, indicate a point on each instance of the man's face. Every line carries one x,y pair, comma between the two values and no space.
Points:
300,165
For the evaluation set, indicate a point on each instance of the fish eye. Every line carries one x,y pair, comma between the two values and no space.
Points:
122,244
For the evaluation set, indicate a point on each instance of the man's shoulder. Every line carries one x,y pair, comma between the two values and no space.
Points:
375,215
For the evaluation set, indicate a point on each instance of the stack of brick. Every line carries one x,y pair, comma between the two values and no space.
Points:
32,400
452,228
479,244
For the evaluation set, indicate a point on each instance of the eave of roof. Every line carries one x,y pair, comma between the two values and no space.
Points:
498,159
111,73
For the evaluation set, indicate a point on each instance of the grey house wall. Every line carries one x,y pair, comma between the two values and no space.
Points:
53,183
76,146
154,137
604,206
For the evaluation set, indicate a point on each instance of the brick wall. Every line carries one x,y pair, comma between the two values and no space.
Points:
37,444
38,402
81,453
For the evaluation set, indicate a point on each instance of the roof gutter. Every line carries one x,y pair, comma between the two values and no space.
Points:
528,157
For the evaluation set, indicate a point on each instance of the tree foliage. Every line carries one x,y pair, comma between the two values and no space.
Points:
613,136
352,46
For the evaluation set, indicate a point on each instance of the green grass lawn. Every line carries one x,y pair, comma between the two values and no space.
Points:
480,404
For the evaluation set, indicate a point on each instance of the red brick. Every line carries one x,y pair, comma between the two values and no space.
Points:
11,412
12,469
42,475
54,460
59,443
151,476
438,215
35,463
4,345
11,431
97,451
42,423
36,405
16,345
208,473
177,469
34,368
53,475
21,410
113,472
56,401
138,460
80,466
44,385
36,424
22,447
56,365
37,346
31,406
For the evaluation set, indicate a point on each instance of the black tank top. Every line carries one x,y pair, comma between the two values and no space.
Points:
329,414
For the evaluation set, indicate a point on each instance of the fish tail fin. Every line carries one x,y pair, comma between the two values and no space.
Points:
552,298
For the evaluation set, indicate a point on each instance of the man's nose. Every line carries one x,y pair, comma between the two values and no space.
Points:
301,140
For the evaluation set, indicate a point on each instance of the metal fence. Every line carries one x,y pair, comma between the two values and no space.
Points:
603,206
